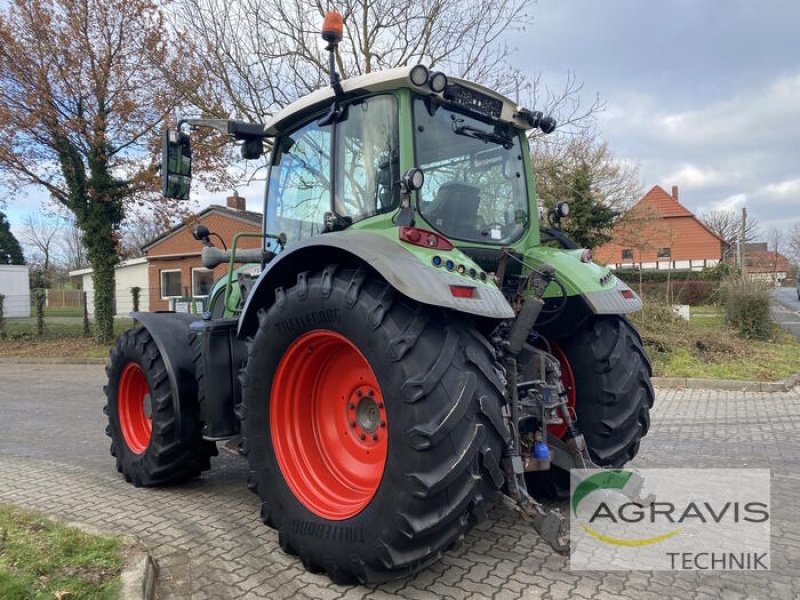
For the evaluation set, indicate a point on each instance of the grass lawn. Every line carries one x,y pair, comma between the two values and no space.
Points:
63,337
63,311
40,558
707,347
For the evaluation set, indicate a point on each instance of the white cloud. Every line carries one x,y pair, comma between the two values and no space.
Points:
784,190
692,177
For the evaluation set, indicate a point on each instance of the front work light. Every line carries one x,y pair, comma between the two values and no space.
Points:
419,75
438,82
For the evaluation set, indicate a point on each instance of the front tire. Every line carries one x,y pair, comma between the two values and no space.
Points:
142,422
613,396
340,358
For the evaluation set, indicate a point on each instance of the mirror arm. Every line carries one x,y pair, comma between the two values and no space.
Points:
239,130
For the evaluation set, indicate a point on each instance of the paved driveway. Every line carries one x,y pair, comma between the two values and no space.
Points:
786,309
210,543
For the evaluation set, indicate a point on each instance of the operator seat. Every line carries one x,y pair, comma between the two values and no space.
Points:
456,210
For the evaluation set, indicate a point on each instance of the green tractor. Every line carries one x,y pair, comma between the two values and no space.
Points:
408,346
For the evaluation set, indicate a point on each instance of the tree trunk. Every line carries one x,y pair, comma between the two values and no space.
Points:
103,258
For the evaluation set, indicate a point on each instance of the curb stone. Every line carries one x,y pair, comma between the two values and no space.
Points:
138,577
784,385
140,570
32,360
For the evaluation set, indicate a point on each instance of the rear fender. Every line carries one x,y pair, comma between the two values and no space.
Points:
170,331
411,274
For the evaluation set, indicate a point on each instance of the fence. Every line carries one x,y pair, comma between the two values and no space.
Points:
64,298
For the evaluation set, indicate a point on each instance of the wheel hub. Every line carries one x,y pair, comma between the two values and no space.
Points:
366,414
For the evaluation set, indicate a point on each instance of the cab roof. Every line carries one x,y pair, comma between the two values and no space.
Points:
380,81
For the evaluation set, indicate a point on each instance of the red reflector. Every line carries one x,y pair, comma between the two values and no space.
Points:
462,291
627,294
425,239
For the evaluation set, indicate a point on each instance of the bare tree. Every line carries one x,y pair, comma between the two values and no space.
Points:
794,242
614,183
139,229
251,57
774,246
727,224
41,235
72,244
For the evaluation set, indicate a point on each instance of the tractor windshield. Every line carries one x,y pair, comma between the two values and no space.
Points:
474,176
349,168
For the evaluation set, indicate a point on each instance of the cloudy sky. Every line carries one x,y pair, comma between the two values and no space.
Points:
701,94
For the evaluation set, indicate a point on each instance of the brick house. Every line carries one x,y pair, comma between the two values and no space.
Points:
174,267
658,232
764,264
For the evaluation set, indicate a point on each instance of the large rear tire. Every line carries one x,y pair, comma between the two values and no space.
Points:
613,396
372,426
142,421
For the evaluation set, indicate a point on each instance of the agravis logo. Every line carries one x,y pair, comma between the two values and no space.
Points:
610,480
693,519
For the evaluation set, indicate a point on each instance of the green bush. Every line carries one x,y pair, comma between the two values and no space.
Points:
631,276
693,292
746,305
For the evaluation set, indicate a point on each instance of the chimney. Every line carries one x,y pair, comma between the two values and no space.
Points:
675,192
236,202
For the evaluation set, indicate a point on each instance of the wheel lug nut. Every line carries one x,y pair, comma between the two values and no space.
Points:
351,406
362,437
380,404
370,393
383,423
352,424
358,393
375,437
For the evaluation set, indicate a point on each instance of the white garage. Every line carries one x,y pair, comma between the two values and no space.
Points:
15,286
127,274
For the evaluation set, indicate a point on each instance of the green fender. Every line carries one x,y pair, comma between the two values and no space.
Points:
407,268
597,285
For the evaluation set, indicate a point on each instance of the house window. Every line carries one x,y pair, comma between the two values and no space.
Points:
171,284
202,282
627,254
664,253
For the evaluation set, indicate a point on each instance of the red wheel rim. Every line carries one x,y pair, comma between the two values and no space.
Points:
133,406
568,381
328,425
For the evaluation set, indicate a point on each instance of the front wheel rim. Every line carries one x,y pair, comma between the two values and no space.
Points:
568,381
133,407
328,425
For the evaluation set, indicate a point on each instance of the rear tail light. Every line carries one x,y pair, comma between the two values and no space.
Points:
425,239
627,294
462,291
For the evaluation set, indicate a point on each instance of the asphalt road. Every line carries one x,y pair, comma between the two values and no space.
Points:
786,309
210,543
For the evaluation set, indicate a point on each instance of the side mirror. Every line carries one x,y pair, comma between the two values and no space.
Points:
176,165
201,233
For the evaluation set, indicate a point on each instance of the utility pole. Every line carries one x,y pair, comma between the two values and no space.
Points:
742,239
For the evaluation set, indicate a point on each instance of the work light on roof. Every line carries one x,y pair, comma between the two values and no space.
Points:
438,82
419,75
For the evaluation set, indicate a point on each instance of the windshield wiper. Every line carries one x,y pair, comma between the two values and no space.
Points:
486,136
